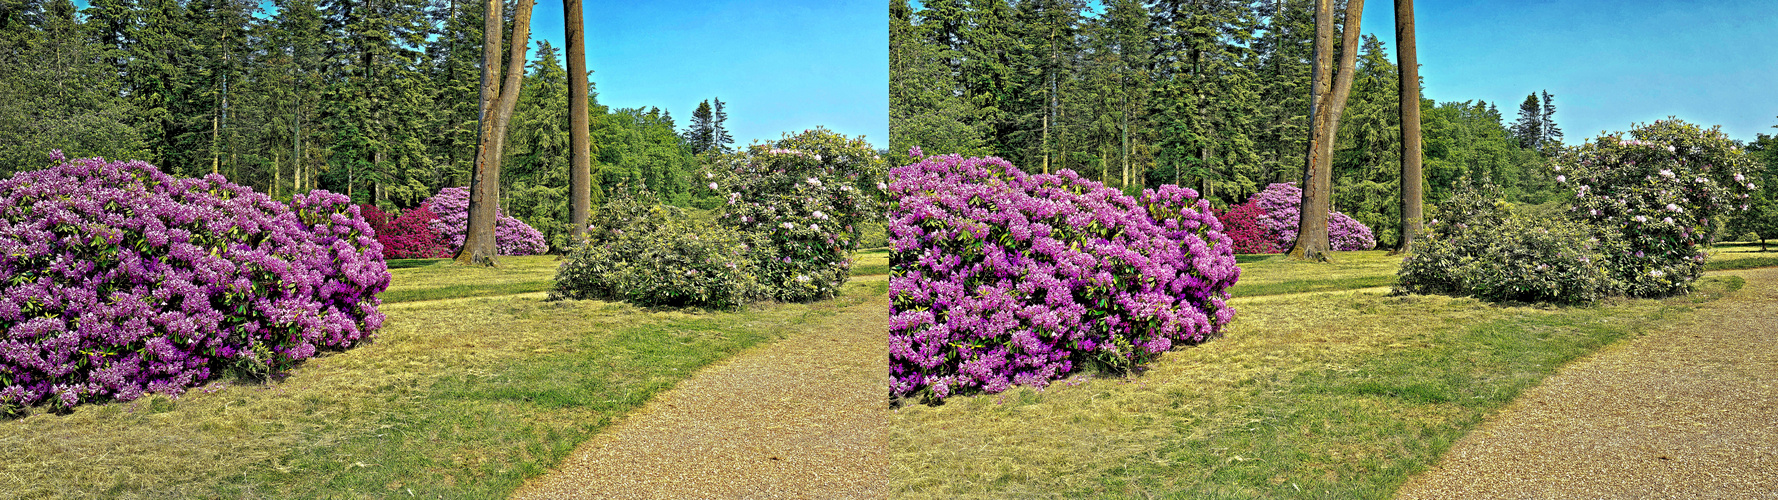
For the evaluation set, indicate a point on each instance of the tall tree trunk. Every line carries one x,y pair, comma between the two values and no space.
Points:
580,170
484,194
1408,63
1311,237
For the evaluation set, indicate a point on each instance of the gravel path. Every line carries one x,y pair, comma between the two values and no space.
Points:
1688,411
801,418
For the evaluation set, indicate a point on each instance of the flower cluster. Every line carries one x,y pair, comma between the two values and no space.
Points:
511,236
1282,205
409,236
807,196
1001,278
118,280
1666,190
1241,223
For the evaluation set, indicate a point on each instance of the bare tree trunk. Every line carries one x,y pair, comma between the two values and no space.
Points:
580,171
1311,238
1408,63
484,193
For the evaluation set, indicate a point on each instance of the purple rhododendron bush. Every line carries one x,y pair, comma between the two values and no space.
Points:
1001,278
118,280
511,236
1282,202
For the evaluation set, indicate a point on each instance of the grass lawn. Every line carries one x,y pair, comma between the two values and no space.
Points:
1747,255
1326,394
474,384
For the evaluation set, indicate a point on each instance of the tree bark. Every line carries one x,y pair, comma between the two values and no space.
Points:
497,101
1408,63
1311,238
580,170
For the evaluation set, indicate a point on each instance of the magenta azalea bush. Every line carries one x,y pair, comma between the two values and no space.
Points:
1666,189
807,197
1281,203
408,236
511,236
1242,225
118,280
1000,278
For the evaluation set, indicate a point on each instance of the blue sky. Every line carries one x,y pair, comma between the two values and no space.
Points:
1606,64
779,66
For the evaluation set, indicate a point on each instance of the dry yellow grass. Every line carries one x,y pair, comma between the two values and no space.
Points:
1280,401
422,408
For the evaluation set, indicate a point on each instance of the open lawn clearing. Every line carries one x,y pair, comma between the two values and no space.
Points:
1274,274
460,398
1327,395
1683,412
1725,256
433,279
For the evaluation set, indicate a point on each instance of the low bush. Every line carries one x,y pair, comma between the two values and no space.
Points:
1665,190
651,254
511,236
119,280
1280,203
1000,278
1487,250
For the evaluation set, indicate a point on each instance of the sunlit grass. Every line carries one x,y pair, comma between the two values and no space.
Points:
1338,394
870,262
1279,274
456,398
1741,256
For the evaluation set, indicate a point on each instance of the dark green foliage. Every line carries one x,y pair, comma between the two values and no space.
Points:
57,91
1488,249
1209,94
376,100
1760,216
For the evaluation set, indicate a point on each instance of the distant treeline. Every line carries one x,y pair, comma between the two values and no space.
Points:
1207,94
373,99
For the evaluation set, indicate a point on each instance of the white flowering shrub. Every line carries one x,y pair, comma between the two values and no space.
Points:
805,198
1666,189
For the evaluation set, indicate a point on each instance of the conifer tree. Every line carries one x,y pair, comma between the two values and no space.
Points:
700,132
580,146
720,140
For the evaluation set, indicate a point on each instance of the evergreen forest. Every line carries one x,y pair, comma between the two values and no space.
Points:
1208,94
375,100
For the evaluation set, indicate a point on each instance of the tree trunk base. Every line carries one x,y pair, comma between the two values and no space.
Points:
467,258
1300,253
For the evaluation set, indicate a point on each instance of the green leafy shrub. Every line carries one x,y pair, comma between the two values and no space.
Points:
806,197
1491,251
651,254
